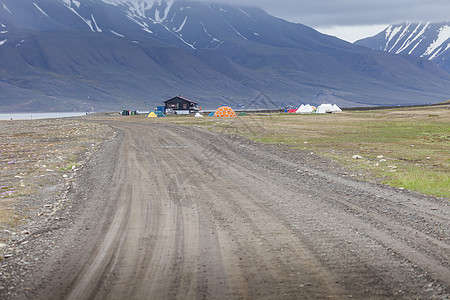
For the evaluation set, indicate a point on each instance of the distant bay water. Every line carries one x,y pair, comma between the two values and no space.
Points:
35,116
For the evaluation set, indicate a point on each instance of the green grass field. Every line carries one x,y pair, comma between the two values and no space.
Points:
408,148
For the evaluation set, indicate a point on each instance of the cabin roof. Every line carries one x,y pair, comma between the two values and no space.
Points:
180,98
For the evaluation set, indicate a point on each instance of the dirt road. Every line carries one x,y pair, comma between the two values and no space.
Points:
169,212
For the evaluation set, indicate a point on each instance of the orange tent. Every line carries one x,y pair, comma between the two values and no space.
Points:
224,111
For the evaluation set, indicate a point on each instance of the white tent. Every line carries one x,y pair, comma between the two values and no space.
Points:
336,108
298,111
305,109
328,108
198,115
325,108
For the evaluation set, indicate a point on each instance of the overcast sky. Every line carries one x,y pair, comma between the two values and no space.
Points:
352,19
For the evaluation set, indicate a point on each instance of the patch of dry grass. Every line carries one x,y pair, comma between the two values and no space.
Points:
34,153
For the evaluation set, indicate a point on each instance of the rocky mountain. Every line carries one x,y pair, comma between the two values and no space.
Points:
427,40
111,54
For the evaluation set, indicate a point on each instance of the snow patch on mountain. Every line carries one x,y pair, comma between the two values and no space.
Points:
139,11
116,33
138,8
134,3
66,2
438,44
242,11
427,40
6,8
405,32
390,34
19,43
414,36
148,13
98,29
408,37
147,30
71,4
3,31
213,39
180,37
416,45
181,26
40,9
160,19
144,26
234,29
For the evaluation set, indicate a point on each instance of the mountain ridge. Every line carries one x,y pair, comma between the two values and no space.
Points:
423,39
106,55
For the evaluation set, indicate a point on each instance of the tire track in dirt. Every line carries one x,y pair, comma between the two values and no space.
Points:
203,215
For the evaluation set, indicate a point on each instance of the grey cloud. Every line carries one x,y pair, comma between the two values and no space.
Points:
324,13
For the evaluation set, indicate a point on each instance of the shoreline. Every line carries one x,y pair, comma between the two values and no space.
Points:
40,116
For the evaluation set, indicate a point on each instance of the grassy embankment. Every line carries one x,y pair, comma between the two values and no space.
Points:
407,148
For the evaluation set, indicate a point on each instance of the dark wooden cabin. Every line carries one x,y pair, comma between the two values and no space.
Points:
180,105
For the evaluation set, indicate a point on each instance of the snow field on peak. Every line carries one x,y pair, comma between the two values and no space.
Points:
90,22
147,13
66,2
443,36
166,12
400,38
412,37
136,10
390,34
134,3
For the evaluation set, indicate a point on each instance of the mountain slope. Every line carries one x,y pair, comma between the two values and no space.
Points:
427,40
110,54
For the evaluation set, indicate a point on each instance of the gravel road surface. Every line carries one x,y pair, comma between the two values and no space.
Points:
171,212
